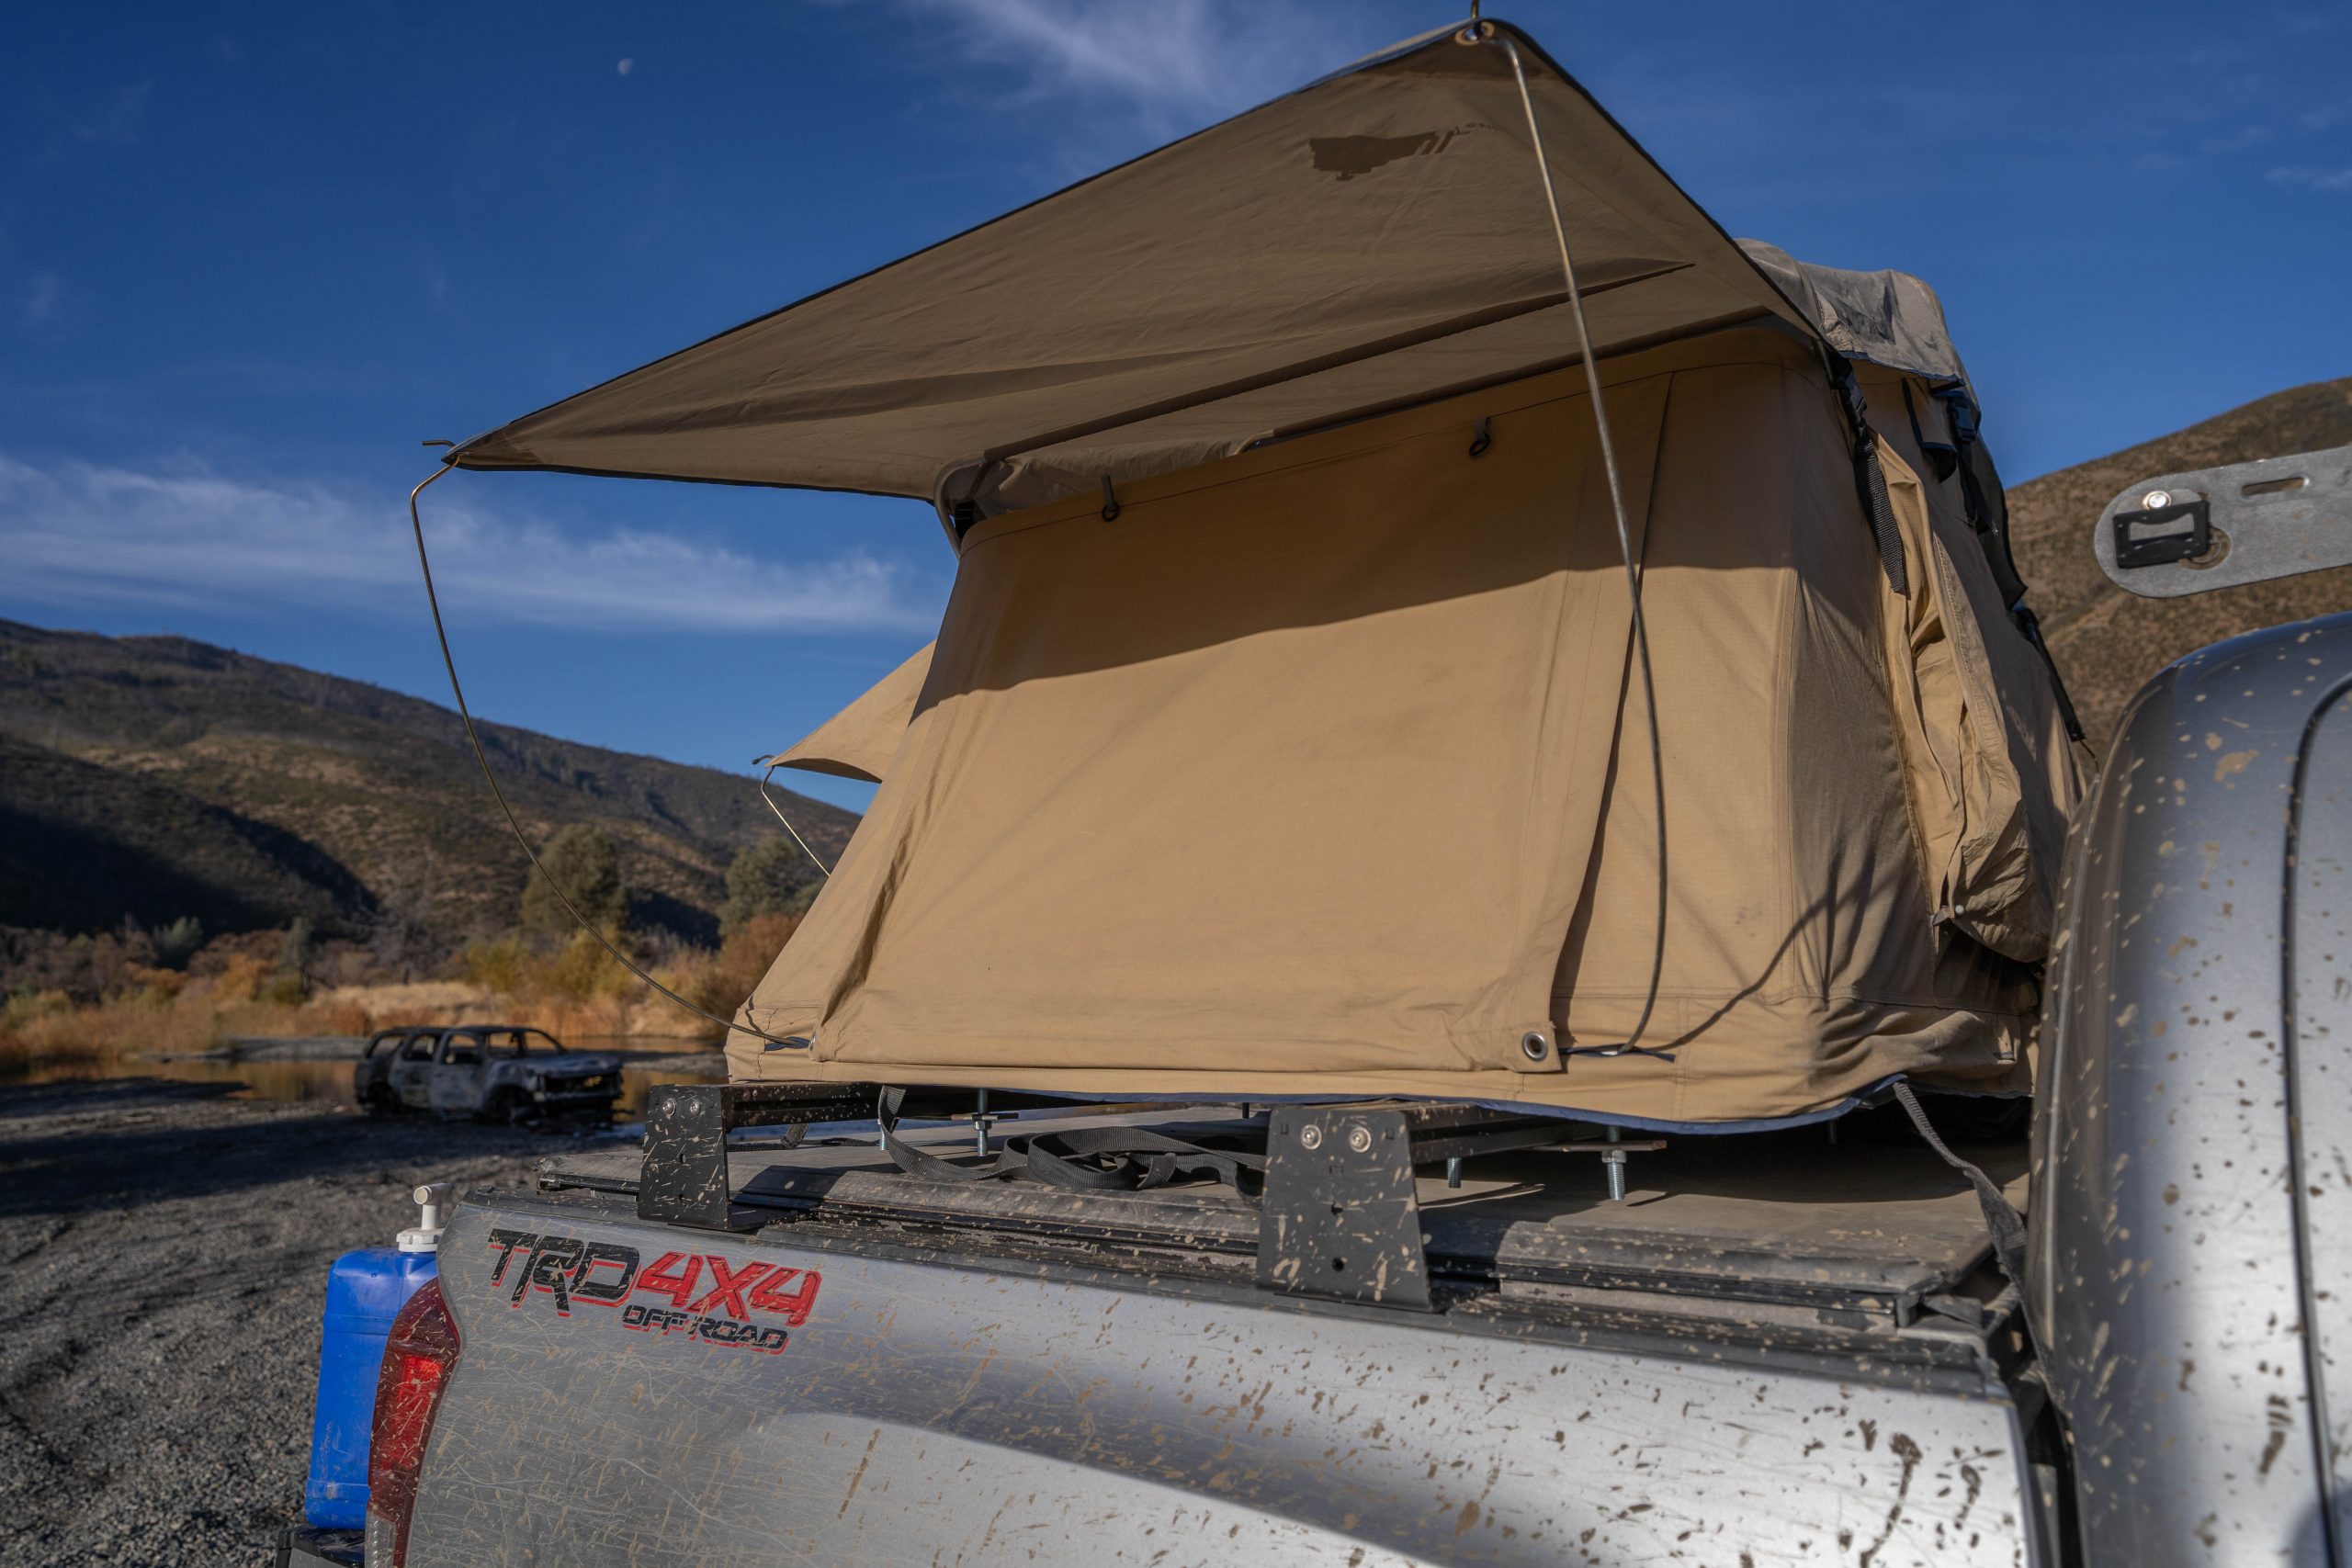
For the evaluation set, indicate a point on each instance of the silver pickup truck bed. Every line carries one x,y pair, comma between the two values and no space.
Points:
1780,1349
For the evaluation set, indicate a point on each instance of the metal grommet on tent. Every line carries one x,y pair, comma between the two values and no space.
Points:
1110,502
1534,1046
1480,439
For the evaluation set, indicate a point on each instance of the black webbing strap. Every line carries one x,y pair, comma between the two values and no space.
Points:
2001,1216
1988,514
2031,625
1941,456
1082,1160
1869,479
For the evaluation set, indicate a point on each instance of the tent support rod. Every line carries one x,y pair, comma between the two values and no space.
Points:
1363,412
1486,316
1480,32
788,828
473,737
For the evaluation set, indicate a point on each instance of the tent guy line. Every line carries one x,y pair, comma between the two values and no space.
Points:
1475,33
813,858
474,739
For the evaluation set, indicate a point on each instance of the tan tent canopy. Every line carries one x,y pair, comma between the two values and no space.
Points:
1371,238
1318,764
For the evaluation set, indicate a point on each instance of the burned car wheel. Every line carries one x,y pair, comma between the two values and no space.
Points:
508,1108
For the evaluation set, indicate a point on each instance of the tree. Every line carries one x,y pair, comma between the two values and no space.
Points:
401,935
583,860
771,877
299,949
177,942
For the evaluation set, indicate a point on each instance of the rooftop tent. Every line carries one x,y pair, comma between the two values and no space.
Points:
1283,734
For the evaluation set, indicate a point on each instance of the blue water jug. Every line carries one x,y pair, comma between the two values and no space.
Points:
366,1290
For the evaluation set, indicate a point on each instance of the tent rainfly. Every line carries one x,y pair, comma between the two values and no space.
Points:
1285,733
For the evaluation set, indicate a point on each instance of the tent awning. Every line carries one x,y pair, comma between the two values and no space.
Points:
1374,240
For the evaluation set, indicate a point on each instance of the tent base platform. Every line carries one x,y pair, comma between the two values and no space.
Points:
1855,1227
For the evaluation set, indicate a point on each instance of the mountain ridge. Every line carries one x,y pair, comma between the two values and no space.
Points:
358,804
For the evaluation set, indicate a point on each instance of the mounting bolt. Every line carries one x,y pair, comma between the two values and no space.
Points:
1310,1136
2154,499
1614,1159
1359,1138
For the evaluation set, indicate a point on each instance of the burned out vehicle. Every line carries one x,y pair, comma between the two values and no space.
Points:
1405,486
490,1072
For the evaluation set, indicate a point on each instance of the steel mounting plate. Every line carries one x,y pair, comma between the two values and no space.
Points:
2274,518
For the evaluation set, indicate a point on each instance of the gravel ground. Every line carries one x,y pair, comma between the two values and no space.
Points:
164,1253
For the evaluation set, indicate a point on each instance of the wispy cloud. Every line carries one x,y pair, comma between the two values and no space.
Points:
37,302
186,534
2237,141
2312,179
1172,61
116,119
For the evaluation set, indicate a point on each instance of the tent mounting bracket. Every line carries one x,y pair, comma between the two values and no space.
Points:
1341,1220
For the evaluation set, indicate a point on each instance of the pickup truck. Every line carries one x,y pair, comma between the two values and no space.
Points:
491,1072
1391,1332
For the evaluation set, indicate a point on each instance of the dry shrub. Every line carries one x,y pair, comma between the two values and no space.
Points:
502,967
24,1008
720,985
41,1034
158,984
48,1030
269,1017
584,972
237,987
241,977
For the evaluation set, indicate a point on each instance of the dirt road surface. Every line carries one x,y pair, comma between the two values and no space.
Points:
164,1253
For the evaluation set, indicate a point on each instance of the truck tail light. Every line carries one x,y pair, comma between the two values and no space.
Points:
418,1356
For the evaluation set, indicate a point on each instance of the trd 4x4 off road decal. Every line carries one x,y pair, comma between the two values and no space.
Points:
709,1297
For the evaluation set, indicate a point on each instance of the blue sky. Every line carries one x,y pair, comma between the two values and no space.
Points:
251,255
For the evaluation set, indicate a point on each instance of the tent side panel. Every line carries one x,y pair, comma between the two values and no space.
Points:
1798,937
1291,780
1271,773
1999,735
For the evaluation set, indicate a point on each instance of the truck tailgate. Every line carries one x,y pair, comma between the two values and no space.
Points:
832,1401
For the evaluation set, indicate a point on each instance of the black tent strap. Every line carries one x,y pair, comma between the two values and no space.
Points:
1973,464
2030,624
1870,476
2001,1216
1941,456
